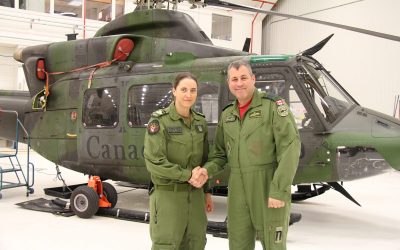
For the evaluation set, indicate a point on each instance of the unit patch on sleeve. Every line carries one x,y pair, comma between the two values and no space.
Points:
283,110
153,127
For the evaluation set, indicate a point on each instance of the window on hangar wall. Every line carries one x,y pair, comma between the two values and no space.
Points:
221,27
95,9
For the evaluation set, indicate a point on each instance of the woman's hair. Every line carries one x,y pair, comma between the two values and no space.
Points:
182,76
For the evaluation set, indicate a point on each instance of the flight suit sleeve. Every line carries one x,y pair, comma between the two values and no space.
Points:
217,157
206,147
206,186
155,154
287,145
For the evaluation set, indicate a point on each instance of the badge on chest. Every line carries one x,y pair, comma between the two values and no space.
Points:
255,114
199,128
174,130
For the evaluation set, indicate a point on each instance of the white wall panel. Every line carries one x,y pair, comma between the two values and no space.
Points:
366,66
8,68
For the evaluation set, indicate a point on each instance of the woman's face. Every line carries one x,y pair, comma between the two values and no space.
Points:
185,93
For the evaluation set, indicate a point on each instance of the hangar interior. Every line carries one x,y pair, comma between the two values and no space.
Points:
366,66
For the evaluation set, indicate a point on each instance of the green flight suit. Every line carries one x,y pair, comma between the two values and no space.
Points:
262,151
172,148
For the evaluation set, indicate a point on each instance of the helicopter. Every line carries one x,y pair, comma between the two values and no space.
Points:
89,102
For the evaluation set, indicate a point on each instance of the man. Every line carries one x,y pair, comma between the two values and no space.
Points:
257,137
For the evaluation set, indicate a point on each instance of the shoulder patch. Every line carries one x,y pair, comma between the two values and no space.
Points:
282,110
153,127
227,106
198,113
159,113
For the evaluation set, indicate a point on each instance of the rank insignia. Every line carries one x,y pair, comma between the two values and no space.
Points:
282,110
199,128
255,114
153,127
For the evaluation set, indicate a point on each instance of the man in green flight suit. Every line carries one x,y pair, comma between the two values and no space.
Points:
258,139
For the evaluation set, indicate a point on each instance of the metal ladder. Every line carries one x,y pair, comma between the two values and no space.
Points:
24,176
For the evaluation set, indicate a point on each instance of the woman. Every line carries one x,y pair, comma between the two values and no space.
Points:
175,144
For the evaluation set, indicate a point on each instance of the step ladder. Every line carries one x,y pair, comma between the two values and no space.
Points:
21,175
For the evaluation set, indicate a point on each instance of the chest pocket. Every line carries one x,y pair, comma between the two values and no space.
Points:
231,133
177,146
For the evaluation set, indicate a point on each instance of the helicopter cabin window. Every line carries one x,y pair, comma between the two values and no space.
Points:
145,99
207,101
221,27
100,108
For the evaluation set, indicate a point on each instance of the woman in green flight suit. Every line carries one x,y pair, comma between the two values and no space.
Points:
175,143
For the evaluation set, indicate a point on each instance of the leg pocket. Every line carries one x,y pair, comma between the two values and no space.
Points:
163,247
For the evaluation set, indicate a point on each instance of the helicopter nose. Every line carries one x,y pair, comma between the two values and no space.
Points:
383,128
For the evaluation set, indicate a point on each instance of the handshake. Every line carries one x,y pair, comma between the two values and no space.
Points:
199,177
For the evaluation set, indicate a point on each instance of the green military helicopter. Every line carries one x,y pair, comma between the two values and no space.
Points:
89,101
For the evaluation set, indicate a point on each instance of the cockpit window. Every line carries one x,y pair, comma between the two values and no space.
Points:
100,108
145,99
331,101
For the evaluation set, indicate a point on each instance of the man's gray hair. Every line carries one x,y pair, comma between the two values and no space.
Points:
237,64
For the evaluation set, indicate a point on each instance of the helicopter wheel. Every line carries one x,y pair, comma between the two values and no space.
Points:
111,193
84,202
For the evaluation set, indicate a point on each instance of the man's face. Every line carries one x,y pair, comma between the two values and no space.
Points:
241,84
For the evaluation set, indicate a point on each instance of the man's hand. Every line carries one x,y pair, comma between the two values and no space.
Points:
274,203
199,177
209,203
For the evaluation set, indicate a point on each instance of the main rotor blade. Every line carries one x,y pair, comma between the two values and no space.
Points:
341,26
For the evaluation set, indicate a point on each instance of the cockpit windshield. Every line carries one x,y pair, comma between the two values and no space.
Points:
330,99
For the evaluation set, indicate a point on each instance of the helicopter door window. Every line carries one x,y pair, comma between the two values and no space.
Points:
100,108
278,87
300,115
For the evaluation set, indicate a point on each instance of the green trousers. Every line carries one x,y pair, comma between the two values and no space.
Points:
178,219
249,216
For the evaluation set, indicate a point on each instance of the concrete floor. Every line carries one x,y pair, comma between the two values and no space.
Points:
329,221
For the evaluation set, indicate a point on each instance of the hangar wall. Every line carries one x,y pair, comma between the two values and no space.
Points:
20,28
366,66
